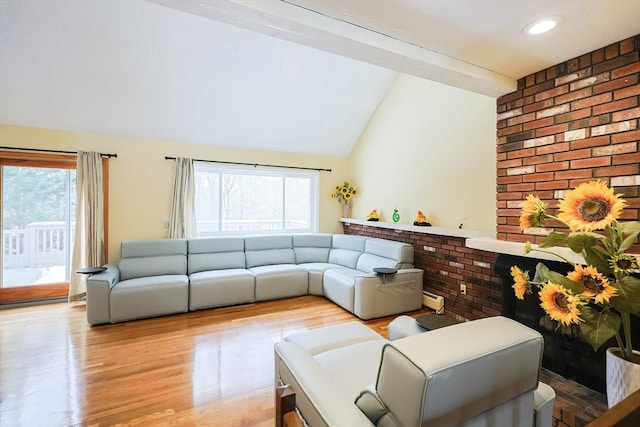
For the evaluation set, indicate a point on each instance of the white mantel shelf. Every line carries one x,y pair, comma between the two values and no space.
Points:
438,231
515,248
481,240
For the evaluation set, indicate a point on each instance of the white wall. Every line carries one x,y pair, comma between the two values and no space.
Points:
430,147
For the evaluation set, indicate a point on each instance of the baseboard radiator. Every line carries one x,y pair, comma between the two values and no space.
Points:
433,301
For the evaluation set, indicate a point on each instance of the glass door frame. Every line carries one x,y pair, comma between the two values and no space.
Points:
30,293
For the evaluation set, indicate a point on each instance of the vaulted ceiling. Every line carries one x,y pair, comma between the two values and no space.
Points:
294,75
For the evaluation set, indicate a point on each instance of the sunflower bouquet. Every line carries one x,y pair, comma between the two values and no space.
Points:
344,193
602,296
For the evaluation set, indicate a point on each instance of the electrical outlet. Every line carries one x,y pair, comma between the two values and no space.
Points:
463,289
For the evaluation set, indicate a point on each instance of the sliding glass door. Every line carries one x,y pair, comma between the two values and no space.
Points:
38,208
38,205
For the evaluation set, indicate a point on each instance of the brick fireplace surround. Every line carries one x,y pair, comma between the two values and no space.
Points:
571,123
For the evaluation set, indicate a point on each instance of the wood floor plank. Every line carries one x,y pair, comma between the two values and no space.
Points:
204,368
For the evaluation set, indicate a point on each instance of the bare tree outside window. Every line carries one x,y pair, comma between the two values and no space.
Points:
239,200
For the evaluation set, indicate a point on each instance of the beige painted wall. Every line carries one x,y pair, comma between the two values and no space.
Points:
141,180
430,147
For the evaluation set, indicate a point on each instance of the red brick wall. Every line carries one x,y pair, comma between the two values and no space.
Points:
571,123
447,263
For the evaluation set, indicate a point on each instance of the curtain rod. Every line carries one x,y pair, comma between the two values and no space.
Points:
253,164
40,150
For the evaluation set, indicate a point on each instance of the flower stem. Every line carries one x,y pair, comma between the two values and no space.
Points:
627,351
552,253
620,344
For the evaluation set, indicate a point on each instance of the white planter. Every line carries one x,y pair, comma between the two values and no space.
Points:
623,377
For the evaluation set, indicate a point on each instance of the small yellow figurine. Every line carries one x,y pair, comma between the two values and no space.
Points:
421,220
373,216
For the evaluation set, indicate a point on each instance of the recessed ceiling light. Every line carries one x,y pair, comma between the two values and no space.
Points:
542,25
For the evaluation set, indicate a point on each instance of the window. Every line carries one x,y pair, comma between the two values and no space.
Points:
247,199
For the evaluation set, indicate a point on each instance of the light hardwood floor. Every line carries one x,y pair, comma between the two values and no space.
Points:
205,368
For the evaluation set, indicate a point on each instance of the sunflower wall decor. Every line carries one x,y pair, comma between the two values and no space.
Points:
603,296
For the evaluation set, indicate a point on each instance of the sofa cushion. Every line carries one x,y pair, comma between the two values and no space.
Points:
280,281
339,286
269,250
316,275
152,247
316,341
157,257
215,253
399,251
352,367
311,247
220,288
148,296
346,249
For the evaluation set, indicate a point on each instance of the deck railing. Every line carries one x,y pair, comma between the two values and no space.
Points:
39,244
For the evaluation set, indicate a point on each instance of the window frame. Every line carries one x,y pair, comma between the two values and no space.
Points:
257,170
17,294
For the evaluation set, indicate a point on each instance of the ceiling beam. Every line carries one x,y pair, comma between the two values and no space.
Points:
299,25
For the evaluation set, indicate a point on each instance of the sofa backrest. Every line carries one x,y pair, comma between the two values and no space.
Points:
346,249
311,247
215,253
457,373
269,250
154,257
385,253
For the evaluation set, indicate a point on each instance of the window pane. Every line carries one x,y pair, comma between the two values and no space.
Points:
207,202
251,202
297,203
237,200
38,206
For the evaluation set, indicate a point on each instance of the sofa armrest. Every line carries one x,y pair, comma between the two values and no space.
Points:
98,289
320,401
543,398
376,296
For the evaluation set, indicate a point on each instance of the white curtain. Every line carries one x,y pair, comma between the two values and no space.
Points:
88,246
182,223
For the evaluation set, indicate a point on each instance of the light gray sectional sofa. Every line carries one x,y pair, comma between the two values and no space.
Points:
167,276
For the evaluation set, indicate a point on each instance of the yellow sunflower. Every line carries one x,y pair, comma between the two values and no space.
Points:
521,284
591,206
533,212
559,304
595,284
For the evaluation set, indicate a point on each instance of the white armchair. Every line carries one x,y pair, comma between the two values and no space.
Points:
479,373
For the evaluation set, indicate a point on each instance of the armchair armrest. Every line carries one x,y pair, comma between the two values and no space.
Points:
543,398
376,296
98,289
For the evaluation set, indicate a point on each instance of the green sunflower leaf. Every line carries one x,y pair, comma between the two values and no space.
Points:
629,231
629,227
579,242
542,273
628,298
598,326
554,239
599,258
